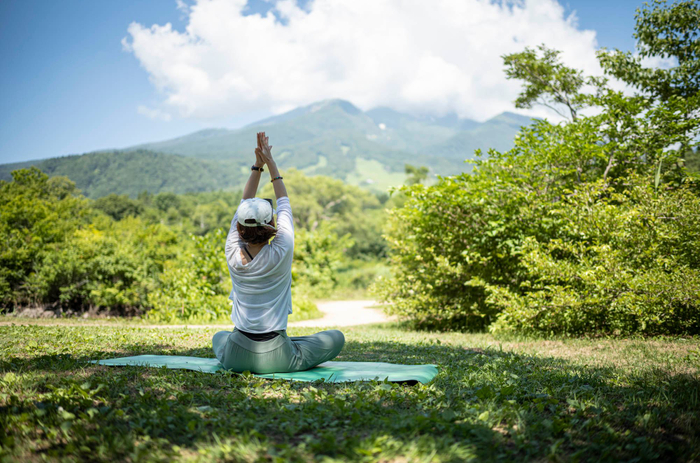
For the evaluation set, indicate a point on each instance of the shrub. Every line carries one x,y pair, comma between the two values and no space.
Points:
37,213
565,233
318,256
625,263
303,308
108,266
196,285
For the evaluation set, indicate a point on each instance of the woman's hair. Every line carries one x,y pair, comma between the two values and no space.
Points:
255,235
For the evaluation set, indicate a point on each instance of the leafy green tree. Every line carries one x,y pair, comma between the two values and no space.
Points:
548,82
352,210
109,266
195,286
670,32
624,263
692,160
318,256
415,174
672,92
533,230
166,201
37,213
118,206
133,256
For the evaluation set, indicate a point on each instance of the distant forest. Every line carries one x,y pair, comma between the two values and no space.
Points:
133,172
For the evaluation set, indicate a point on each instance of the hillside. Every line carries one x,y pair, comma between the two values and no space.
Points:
339,132
101,173
331,137
496,133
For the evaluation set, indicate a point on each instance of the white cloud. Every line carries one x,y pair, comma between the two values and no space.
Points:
658,62
182,6
413,55
153,113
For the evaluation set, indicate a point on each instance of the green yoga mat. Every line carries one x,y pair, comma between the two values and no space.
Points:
334,372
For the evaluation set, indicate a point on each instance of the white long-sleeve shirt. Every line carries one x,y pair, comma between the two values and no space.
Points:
262,289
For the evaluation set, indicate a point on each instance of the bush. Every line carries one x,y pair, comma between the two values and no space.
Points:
37,213
108,266
118,206
441,239
196,285
318,256
565,233
303,308
627,263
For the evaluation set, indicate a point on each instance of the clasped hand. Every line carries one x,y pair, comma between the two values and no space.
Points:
263,153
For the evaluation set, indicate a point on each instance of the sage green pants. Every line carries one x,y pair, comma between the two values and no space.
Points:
238,353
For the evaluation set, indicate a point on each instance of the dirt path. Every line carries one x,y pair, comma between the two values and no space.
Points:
336,313
345,313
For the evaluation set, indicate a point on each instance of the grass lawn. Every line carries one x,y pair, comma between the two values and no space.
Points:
493,399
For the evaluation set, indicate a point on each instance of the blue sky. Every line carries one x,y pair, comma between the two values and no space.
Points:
68,86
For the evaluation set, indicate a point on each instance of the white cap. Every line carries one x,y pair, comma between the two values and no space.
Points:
255,212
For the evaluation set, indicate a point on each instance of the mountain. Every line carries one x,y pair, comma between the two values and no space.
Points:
103,172
334,137
330,137
496,133
300,126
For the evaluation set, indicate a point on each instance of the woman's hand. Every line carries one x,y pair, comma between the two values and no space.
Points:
264,151
259,161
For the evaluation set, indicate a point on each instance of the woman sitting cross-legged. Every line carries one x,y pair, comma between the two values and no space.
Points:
261,273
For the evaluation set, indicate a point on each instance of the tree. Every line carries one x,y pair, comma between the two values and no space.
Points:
580,227
668,32
350,209
38,214
118,206
548,82
692,160
415,174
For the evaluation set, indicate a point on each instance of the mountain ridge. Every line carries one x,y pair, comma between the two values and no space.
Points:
329,137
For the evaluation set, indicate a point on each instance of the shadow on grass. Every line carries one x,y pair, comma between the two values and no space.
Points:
484,404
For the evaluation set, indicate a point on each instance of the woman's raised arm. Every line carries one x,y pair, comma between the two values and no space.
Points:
264,151
251,186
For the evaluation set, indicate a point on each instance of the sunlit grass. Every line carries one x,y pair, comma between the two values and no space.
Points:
494,399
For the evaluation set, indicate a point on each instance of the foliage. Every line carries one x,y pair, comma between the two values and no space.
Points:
692,161
37,212
196,285
303,307
129,172
118,206
318,255
670,32
415,174
195,213
355,276
110,266
493,399
131,256
351,210
624,263
563,233
548,82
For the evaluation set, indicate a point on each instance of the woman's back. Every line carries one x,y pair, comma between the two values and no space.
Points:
262,288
